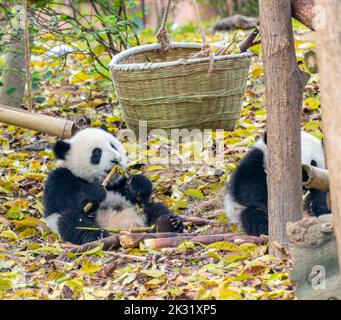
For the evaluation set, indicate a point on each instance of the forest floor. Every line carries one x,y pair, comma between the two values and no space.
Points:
32,260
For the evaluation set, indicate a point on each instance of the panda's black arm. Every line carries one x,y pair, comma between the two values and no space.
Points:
64,191
137,189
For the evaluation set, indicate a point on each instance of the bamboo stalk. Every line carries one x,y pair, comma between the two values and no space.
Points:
34,121
108,243
118,230
105,183
204,239
133,240
196,221
315,178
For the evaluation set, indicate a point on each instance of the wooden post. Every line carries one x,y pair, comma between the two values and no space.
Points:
329,61
284,84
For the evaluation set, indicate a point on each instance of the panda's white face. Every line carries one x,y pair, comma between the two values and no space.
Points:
311,150
92,154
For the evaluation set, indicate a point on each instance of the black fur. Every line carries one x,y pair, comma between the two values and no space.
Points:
255,221
316,202
248,187
67,195
60,149
248,183
96,156
137,189
158,214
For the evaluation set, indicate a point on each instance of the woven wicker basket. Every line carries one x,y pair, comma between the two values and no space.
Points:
172,90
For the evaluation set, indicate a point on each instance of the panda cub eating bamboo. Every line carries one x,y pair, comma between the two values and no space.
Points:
84,161
245,203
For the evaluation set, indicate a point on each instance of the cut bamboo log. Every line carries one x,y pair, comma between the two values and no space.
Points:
196,221
133,240
170,239
315,178
205,239
61,128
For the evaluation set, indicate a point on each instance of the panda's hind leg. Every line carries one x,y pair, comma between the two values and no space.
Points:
69,223
255,221
159,215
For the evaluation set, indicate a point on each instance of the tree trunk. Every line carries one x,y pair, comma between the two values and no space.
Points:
329,59
302,10
13,77
284,84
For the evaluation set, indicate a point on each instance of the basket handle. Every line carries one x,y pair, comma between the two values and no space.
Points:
163,38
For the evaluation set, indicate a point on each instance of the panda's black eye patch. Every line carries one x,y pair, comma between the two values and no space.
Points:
313,163
96,156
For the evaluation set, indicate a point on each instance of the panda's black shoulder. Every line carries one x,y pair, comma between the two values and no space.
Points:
62,180
253,162
249,173
60,176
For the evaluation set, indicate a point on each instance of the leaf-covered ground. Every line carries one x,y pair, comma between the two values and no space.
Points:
33,263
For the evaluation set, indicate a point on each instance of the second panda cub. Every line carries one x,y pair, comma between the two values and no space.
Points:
245,203
83,163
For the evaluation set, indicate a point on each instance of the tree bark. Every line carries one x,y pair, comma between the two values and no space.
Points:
302,10
284,84
328,52
13,76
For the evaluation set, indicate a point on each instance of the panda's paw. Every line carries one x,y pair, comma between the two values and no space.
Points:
140,188
93,193
170,223
176,223
91,236
316,203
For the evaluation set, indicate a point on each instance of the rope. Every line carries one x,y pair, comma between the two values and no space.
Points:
162,36
206,49
27,58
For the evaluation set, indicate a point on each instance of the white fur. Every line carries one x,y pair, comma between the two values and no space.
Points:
232,209
311,149
82,144
260,144
52,222
116,212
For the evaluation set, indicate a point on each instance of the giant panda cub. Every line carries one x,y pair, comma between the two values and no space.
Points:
245,203
83,163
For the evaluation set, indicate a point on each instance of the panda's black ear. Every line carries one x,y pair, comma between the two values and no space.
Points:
60,149
265,137
104,128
